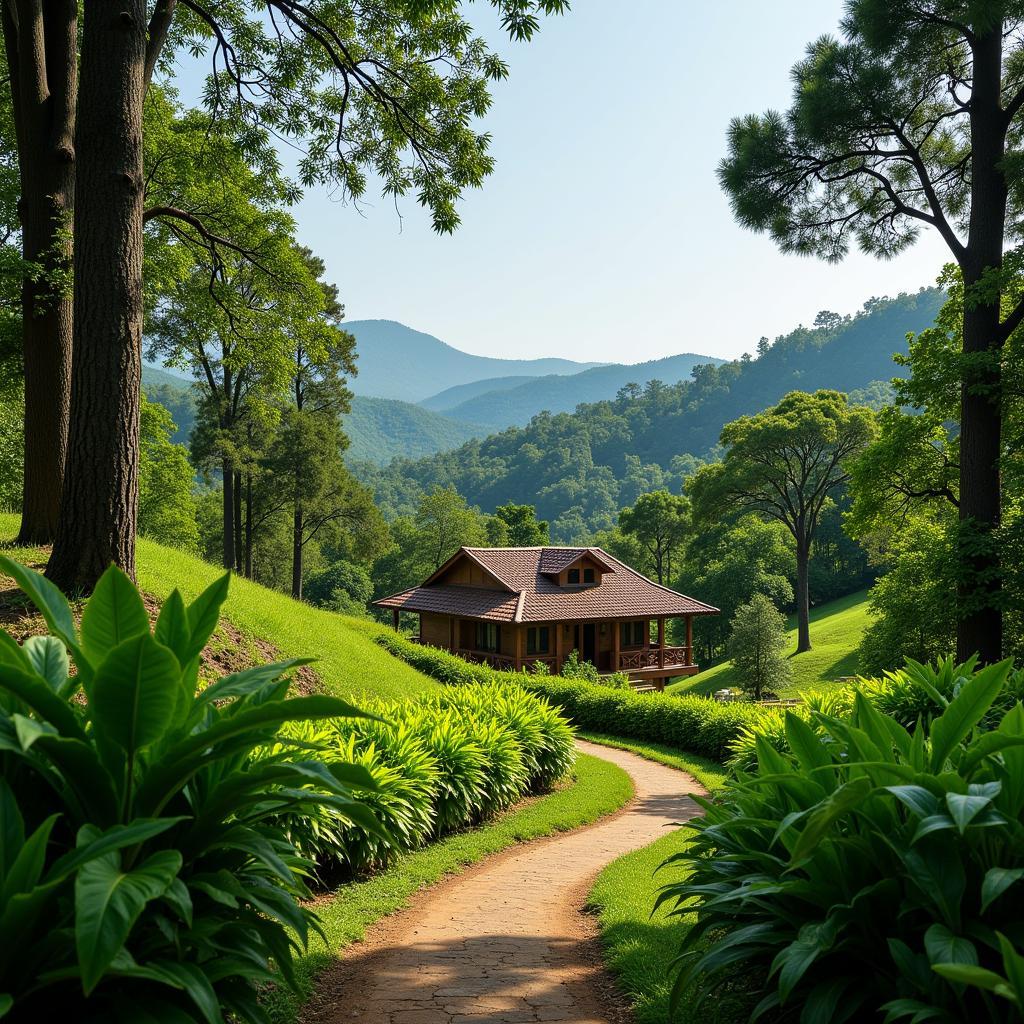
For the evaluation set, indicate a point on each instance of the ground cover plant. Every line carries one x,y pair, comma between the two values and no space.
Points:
871,872
139,871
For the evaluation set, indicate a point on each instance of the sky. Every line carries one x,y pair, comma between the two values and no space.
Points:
603,234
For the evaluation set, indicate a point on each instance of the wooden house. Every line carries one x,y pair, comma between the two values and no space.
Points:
514,607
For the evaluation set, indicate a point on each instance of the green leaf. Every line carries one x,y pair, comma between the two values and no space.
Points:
136,692
31,690
46,597
833,807
172,628
108,901
964,809
91,843
115,613
967,974
807,747
997,881
27,869
966,711
12,653
793,961
204,614
6,1002
1013,965
49,659
12,828
918,799
945,947
240,684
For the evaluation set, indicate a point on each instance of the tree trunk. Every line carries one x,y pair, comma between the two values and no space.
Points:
228,511
979,616
239,558
248,526
42,59
99,504
803,597
297,551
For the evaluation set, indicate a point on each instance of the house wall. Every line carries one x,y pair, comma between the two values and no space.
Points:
435,629
583,563
466,573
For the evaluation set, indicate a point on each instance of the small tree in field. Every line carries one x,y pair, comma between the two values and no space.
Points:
755,646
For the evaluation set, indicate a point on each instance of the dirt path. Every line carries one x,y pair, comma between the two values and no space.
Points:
507,941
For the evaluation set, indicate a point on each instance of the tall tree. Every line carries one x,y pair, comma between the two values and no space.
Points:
785,463
912,119
755,647
660,522
390,87
523,528
445,523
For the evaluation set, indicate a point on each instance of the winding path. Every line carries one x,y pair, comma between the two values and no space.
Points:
507,942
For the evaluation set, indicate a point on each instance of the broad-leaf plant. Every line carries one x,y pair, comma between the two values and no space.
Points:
141,878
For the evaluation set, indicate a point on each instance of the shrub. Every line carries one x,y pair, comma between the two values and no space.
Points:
574,667
139,873
871,872
432,661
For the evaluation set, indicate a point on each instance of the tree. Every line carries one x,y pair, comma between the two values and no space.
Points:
785,463
913,118
167,506
445,523
661,523
390,87
755,647
524,529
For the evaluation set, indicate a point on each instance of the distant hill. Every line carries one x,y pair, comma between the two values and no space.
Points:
381,428
516,406
581,468
174,394
451,397
397,362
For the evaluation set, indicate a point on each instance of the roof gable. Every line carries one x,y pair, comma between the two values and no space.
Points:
467,554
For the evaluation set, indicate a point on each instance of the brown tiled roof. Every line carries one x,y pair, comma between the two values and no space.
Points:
554,560
535,597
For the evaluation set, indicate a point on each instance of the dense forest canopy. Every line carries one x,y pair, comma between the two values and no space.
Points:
581,468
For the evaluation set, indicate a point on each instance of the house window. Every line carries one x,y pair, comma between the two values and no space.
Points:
574,575
537,640
488,637
631,634
588,575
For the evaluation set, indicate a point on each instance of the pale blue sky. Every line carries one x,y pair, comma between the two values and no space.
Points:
602,233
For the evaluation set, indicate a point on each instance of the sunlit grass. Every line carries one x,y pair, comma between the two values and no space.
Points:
348,661
836,631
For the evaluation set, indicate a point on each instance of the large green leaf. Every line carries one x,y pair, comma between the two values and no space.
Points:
31,690
996,882
49,659
172,628
204,614
108,901
47,598
828,811
136,692
91,843
240,684
966,711
27,868
945,947
114,613
12,828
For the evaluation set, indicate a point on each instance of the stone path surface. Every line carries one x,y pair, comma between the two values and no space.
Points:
507,942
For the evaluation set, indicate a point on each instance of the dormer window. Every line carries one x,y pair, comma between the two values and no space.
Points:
574,575
588,575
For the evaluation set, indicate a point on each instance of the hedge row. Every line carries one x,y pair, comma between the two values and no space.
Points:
697,724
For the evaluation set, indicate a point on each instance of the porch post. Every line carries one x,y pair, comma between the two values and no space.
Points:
558,627
519,648
661,641
394,618
689,639
615,645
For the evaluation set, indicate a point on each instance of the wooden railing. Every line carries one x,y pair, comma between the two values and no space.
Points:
505,663
654,657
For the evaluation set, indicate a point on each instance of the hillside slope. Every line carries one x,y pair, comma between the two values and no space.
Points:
516,406
836,630
397,362
455,396
381,428
348,662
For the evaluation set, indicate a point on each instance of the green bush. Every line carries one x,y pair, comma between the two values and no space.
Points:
698,724
139,876
872,872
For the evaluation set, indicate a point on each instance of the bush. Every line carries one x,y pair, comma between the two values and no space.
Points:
138,873
574,667
697,724
440,763
871,872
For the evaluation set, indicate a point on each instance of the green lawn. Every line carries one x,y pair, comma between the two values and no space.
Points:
836,629
599,788
349,662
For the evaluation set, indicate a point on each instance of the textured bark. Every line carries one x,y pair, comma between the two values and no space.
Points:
238,522
248,525
297,545
803,597
99,505
41,47
228,509
979,628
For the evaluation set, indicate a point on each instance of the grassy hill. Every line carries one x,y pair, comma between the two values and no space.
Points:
836,629
381,428
349,662
451,397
